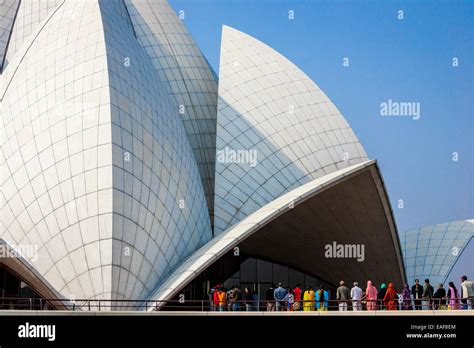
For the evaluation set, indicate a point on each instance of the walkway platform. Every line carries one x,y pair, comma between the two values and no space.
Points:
225,314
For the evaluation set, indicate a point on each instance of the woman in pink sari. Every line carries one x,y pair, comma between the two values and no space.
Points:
453,296
371,296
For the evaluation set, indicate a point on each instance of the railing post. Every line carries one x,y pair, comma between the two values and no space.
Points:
30,304
202,305
99,305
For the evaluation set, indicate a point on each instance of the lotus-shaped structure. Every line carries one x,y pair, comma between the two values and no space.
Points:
133,170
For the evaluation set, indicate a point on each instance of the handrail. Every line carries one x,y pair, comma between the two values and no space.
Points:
208,305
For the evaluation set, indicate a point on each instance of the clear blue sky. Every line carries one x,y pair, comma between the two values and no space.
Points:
403,60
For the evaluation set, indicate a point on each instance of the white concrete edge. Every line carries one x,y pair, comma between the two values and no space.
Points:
35,273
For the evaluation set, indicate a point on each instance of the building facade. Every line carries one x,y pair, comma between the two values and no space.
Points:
440,253
270,106
97,167
134,174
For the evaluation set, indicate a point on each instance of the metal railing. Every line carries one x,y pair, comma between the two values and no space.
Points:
230,306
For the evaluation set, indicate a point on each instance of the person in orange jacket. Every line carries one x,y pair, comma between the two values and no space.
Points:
221,295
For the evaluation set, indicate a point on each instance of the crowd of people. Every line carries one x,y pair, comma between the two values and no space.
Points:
418,297
223,299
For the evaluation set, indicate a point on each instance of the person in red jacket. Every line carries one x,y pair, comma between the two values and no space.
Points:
215,297
297,294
